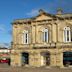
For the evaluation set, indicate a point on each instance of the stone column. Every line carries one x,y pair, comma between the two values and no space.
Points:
52,59
15,59
12,60
54,32
59,59
33,34
34,59
31,61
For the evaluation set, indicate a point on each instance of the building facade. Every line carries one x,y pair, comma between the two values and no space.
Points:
43,40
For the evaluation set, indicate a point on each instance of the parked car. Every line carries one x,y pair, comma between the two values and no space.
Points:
4,60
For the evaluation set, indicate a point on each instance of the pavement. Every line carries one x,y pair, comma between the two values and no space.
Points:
7,68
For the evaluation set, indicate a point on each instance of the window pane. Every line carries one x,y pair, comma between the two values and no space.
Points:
25,38
45,36
67,35
64,36
26,41
71,36
26,35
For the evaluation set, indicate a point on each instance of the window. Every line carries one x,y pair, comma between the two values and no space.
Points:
67,34
25,37
45,35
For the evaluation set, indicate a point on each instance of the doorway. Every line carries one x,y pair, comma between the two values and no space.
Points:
67,58
25,58
45,58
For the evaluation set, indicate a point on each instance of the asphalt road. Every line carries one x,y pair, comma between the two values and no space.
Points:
6,68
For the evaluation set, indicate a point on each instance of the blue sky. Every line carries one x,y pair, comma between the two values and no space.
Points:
16,9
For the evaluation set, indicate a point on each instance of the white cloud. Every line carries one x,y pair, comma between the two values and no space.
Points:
2,28
4,45
5,30
32,12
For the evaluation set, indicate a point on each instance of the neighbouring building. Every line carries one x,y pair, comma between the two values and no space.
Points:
43,40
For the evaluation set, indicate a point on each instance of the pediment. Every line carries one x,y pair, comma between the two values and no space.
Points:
43,17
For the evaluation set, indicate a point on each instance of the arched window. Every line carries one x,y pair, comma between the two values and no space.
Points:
67,34
45,35
25,37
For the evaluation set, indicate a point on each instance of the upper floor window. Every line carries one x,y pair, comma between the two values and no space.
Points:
67,34
25,37
45,35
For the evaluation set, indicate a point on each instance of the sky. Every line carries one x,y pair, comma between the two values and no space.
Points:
18,9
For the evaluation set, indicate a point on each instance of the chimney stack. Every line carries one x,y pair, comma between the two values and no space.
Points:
59,11
41,11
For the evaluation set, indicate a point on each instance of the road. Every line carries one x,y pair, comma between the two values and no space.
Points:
6,68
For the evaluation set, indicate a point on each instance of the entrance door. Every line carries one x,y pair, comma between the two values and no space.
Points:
42,61
45,59
25,58
67,58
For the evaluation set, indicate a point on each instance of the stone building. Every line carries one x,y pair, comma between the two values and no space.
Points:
43,40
